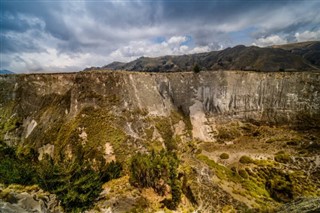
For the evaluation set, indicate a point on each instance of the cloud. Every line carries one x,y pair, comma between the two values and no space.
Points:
172,46
69,35
307,36
269,41
177,40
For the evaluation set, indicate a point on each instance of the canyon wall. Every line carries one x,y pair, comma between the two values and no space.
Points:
277,98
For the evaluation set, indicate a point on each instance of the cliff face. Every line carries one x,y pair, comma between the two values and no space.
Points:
117,114
279,98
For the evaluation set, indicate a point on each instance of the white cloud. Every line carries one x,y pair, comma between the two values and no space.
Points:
308,36
171,46
269,41
53,61
176,40
200,49
49,61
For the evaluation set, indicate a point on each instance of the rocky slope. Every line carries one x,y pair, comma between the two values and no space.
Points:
243,140
289,57
17,198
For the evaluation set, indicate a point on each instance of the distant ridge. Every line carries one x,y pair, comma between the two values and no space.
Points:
303,56
6,72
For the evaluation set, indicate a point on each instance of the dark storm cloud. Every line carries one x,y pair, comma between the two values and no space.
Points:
12,44
47,11
102,27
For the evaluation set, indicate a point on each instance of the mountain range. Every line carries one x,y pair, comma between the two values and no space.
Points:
6,72
303,56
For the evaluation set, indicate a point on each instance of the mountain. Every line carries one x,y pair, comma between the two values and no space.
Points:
289,57
6,72
310,51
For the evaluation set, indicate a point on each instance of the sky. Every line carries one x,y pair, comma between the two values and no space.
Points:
64,36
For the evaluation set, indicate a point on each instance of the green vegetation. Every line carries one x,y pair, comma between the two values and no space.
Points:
220,171
14,168
243,173
8,120
282,157
252,187
246,160
196,68
280,187
228,132
157,170
164,127
224,156
75,181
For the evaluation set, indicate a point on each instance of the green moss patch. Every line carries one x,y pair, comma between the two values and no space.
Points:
246,160
224,156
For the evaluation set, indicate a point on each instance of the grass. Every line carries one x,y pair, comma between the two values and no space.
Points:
246,160
164,125
8,120
282,157
251,187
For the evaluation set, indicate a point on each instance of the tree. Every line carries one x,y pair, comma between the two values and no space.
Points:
196,68
157,170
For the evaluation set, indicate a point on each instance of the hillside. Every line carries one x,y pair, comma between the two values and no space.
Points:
105,141
290,57
6,72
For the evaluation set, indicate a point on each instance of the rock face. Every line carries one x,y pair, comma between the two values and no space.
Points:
264,97
117,114
17,199
302,205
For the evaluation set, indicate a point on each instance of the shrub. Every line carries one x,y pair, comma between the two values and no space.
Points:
280,188
196,68
224,156
75,182
243,173
164,128
228,132
282,157
157,170
15,169
112,171
245,160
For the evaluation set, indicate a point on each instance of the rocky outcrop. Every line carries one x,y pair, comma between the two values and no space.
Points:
16,198
303,205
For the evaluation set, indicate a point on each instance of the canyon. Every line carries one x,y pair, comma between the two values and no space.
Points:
245,140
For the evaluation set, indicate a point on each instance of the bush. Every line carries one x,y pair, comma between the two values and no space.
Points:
164,128
224,156
157,170
112,171
15,169
196,68
75,182
280,188
282,157
245,160
243,173
228,132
